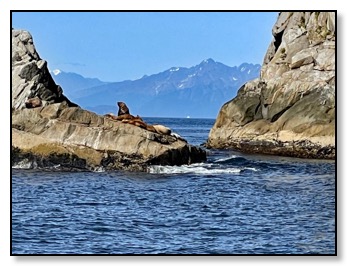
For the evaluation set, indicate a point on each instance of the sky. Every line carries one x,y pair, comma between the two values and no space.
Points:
117,46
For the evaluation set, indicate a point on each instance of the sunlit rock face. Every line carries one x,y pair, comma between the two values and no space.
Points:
290,109
30,75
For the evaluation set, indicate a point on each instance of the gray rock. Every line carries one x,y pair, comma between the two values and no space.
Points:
290,109
30,75
303,57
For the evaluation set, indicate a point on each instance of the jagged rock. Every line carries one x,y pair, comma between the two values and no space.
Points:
61,134
30,75
290,109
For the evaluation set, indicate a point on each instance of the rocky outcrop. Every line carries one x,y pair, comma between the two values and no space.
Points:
290,109
59,134
30,75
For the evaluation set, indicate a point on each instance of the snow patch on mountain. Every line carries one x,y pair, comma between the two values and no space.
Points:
56,72
199,90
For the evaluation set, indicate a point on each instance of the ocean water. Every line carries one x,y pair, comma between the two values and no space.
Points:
232,204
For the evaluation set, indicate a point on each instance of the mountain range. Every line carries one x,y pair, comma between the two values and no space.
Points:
198,91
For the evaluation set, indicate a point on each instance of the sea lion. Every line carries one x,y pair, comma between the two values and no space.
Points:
140,124
124,116
33,102
138,117
151,128
111,115
162,129
127,121
123,109
135,122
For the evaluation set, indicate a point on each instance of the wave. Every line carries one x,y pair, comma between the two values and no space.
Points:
233,159
221,160
99,169
251,169
201,169
25,164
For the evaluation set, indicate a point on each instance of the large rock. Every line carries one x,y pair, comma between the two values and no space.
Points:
61,134
30,75
290,109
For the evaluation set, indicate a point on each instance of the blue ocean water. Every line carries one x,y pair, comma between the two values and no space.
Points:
233,204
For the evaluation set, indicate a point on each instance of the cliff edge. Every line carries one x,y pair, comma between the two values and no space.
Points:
290,109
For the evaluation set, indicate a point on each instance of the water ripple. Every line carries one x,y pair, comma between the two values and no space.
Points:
233,204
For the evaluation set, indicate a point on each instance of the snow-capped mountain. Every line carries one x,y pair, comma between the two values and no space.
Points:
198,91
72,82
56,72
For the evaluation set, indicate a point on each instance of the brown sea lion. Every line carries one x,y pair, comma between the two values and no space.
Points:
140,124
135,122
123,109
127,121
33,102
111,115
124,116
151,128
138,117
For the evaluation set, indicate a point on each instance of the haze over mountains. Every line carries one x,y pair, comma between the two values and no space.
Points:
198,91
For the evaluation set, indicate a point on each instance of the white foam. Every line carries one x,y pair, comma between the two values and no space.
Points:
201,169
99,169
251,168
225,159
25,164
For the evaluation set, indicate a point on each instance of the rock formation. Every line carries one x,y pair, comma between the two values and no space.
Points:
290,109
58,133
30,75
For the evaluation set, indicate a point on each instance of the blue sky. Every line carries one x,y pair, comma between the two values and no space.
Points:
115,46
